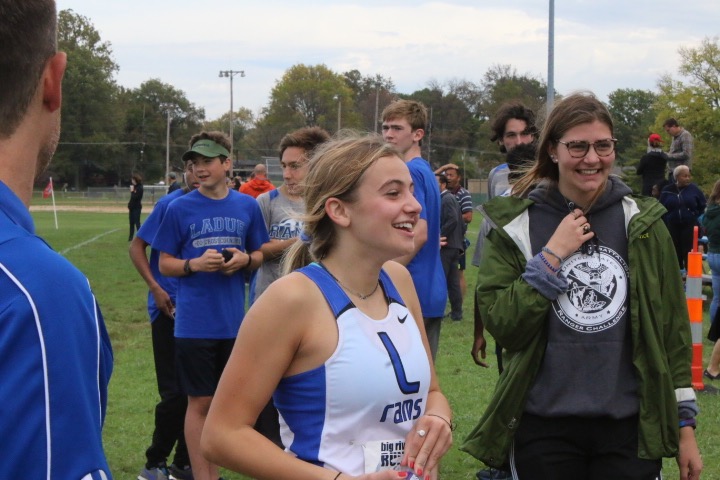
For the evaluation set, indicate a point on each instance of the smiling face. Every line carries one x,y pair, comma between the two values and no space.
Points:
384,211
295,168
580,178
211,174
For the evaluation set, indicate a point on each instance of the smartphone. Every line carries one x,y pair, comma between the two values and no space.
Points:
227,254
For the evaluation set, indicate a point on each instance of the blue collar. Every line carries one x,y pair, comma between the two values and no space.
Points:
15,209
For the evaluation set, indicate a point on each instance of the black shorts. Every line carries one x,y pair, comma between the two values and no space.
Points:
200,362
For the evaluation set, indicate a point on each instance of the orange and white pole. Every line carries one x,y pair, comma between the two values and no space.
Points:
693,294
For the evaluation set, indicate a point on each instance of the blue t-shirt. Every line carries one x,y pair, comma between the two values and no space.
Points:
426,268
55,358
210,305
147,232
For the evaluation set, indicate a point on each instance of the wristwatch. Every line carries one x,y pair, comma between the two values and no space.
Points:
187,269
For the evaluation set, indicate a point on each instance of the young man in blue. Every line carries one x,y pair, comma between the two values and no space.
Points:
404,127
55,354
211,289
170,410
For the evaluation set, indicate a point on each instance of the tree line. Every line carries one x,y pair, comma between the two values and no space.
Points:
110,132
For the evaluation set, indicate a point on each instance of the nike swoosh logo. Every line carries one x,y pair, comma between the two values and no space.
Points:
402,320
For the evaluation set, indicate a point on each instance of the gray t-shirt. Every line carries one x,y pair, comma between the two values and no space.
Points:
281,219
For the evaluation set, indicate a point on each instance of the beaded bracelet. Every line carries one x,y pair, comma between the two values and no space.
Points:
449,422
548,264
550,252
688,422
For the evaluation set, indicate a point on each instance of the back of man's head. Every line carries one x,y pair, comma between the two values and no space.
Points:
413,111
28,38
510,110
260,170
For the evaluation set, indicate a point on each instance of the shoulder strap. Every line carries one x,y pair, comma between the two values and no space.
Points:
336,298
388,287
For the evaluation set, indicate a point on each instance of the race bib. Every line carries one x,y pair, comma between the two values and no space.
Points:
385,455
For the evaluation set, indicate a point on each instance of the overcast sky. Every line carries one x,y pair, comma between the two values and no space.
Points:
599,45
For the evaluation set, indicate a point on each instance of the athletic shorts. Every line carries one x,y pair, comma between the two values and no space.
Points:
200,362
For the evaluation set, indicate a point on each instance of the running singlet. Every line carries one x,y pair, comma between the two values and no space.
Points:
372,388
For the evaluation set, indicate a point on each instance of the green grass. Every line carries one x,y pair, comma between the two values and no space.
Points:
133,394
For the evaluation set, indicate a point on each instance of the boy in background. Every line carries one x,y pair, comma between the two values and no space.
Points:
207,239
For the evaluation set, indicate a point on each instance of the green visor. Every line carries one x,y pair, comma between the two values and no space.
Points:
206,148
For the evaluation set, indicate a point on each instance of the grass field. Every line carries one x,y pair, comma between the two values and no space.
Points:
97,244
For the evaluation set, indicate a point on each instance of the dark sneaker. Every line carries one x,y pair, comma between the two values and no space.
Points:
158,473
493,474
180,473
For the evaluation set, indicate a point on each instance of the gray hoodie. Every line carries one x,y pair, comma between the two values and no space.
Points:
588,324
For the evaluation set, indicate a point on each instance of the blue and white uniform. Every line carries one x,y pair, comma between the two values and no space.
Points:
210,305
372,388
55,358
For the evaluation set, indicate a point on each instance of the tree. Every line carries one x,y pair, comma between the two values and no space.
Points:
696,105
146,109
243,122
502,83
633,113
311,96
370,94
91,120
452,129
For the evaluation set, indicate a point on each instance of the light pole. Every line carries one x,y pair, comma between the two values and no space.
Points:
551,57
339,99
230,74
377,104
168,107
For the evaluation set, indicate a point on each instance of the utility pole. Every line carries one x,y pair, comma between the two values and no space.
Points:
168,107
551,58
377,104
230,74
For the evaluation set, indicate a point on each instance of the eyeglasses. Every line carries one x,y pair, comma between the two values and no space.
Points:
580,148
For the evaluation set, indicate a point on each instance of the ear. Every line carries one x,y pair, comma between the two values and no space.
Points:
552,150
52,81
337,211
418,134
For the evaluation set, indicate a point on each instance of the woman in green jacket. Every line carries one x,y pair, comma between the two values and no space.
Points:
579,282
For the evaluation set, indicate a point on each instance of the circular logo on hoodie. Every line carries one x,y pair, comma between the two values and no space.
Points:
595,300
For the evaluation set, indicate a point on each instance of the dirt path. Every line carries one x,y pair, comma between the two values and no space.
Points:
88,208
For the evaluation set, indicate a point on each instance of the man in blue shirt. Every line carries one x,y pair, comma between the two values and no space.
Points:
403,127
55,354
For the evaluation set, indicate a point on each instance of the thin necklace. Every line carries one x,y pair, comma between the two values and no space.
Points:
357,294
